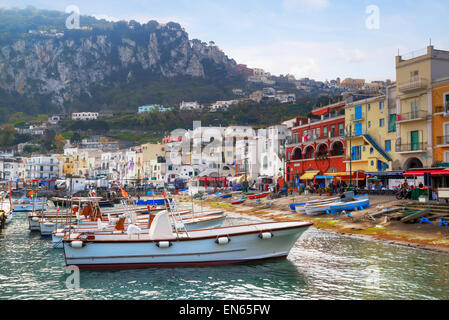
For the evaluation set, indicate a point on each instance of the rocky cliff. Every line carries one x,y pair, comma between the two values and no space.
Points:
44,58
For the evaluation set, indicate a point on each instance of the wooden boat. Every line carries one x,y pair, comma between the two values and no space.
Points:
238,201
226,196
293,205
160,247
359,203
5,211
26,205
259,195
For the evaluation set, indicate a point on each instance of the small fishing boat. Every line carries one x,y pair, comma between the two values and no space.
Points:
259,195
161,247
226,196
26,205
193,222
293,205
238,201
358,203
152,202
301,207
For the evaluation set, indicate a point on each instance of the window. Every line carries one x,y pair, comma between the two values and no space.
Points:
358,113
414,75
325,131
369,107
340,129
356,153
371,151
381,105
446,102
381,122
318,132
414,107
392,123
369,124
387,145
333,130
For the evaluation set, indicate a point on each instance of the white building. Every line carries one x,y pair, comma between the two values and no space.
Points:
42,167
271,148
85,116
190,105
222,105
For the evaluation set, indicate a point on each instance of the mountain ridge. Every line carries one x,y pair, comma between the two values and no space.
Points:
52,68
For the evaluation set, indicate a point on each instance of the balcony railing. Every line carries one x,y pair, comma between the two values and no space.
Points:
439,109
412,85
443,140
415,115
410,147
355,119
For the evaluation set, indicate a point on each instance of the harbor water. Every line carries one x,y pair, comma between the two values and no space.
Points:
322,265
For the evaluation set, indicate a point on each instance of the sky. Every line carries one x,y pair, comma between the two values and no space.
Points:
318,39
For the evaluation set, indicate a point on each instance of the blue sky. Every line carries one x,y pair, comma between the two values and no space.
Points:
320,39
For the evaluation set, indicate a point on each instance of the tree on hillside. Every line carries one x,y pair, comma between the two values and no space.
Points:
75,139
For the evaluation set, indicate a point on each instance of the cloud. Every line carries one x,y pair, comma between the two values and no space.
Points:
305,5
351,56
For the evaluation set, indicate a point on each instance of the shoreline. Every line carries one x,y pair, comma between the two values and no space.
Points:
426,237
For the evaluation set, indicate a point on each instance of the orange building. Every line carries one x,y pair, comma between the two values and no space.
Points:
440,98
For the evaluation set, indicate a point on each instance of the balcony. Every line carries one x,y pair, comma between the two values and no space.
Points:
413,85
439,109
412,116
354,119
443,140
417,147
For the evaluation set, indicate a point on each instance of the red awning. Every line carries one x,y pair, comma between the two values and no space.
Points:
420,173
321,111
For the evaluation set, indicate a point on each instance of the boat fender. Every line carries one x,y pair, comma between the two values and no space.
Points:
164,244
266,235
35,219
77,244
222,240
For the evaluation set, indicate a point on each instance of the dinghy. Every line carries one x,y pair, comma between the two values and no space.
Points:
259,195
301,208
359,203
161,247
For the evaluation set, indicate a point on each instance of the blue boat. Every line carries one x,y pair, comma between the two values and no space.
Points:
359,203
293,205
151,202
226,196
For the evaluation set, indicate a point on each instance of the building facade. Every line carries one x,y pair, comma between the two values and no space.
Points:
318,145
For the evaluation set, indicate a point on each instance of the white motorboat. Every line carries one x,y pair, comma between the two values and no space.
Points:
161,247
190,223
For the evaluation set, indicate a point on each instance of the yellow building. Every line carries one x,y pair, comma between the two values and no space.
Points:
370,135
67,165
415,74
440,99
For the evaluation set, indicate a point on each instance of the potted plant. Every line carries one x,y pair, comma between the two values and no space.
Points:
329,191
307,190
320,191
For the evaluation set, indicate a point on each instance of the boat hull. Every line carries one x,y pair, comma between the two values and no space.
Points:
350,206
259,196
184,252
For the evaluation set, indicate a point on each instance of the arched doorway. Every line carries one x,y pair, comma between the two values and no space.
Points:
413,163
